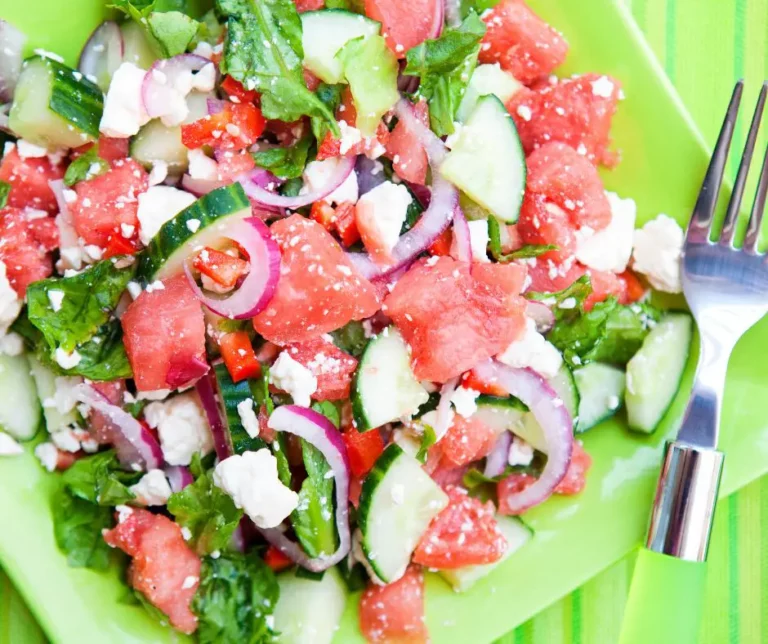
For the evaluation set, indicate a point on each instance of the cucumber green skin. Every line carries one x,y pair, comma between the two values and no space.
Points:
217,204
232,394
507,402
580,427
362,423
565,387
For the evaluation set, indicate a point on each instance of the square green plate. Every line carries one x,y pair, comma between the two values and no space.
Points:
664,160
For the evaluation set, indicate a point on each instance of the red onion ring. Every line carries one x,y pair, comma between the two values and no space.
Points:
452,10
183,373
438,21
178,477
496,461
443,410
370,173
251,181
102,54
555,421
461,236
134,444
12,43
322,434
215,106
160,92
199,187
205,389
258,287
541,314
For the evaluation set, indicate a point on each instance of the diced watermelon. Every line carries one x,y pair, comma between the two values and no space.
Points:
577,111
509,277
163,331
521,42
100,426
333,367
512,484
29,181
25,258
363,448
107,201
543,223
547,276
465,533
164,568
309,5
409,158
469,321
112,149
372,145
576,476
605,285
319,289
565,178
44,231
395,613
466,440
405,23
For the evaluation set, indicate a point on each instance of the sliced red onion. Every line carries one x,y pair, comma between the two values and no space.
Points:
422,193
215,106
435,148
321,433
259,285
438,21
166,85
406,84
541,314
205,389
553,417
11,46
461,236
443,410
250,183
453,13
370,173
183,373
134,444
102,54
201,187
496,461
244,535
179,477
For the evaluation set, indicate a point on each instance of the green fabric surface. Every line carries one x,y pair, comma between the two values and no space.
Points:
704,45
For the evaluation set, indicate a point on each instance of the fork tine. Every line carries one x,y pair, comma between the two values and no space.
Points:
758,209
710,187
734,205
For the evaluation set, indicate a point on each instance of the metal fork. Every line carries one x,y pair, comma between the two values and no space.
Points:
727,291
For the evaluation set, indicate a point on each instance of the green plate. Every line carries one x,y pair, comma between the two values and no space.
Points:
664,160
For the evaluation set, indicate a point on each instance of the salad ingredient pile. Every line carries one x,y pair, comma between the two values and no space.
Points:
311,297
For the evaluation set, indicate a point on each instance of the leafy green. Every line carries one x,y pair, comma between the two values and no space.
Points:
313,519
286,163
173,31
77,528
260,390
237,594
351,338
5,191
578,292
86,166
355,577
207,511
303,573
330,410
274,70
526,252
371,70
474,478
428,438
330,95
99,479
444,66
354,6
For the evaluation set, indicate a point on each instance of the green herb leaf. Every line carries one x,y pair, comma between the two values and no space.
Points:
474,478
85,167
328,409
445,66
275,70
526,252
355,577
330,95
237,594
428,438
173,31
313,519
207,511
578,292
354,6
77,528
232,395
351,338
286,163
100,479
5,191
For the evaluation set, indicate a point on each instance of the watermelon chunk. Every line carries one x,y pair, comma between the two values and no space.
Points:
29,181
405,23
409,158
395,612
24,256
333,367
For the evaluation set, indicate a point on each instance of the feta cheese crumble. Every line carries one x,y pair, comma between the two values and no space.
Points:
67,360
152,489
316,176
478,241
201,166
55,298
532,351
124,112
158,205
10,304
293,378
465,401
383,211
520,452
182,426
248,417
658,248
48,455
251,480
609,249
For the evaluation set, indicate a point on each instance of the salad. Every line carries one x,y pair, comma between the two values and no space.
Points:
314,297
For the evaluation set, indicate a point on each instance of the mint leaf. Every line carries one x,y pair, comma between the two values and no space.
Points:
445,66
173,31
99,479
77,528
428,438
86,166
579,291
526,252
351,338
328,409
237,594
273,69
5,191
330,95
286,163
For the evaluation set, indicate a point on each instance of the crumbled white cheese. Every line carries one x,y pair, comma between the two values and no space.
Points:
603,87
658,248
152,489
157,394
159,173
431,419
383,211
350,137
134,289
48,455
182,426
67,360
465,401
248,417
317,174
293,378
158,205
173,109
532,351
520,452
29,150
11,344
478,241
8,446
124,111
251,480
201,166
55,298
10,304
609,249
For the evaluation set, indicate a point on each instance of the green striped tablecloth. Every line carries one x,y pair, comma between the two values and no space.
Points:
704,45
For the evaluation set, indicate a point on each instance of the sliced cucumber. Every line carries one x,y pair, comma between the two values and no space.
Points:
324,33
397,503
55,106
20,412
231,394
500,414
136,47
517,535
45,381
487,160
309,611
655,371
175,242
384,387
601,389
487,79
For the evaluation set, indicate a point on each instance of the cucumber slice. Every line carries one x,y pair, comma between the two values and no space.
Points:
397,503
324,33
136,47
601,388
20,413
500,414
175,242
655,371
487,79
231,394
55,106
517,535
309,611
384,387
45,381
487,160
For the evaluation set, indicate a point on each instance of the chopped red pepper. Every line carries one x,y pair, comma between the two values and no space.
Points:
442,245
362,449
346,224
235,88
324,214
239,356
276,559
119,245
470,381
222,268
235,127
